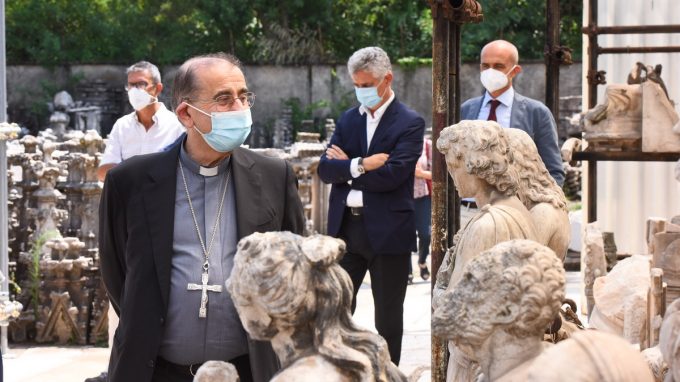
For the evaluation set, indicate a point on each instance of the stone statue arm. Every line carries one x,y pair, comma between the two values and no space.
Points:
112,242
401,163
545,137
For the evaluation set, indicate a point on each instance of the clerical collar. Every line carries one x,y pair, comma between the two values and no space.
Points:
196,168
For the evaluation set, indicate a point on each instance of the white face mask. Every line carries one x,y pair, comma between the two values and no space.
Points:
139,99
493,79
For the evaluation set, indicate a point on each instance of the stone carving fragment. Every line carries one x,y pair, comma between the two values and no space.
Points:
658,120
615,124
499,310
621,299
594,262
291,291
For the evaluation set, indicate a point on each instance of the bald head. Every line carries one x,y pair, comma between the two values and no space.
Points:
503,48
185,83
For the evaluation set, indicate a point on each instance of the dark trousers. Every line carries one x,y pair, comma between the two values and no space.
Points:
423,226
165,372
389,274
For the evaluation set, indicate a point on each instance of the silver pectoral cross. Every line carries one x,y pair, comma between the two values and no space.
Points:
204,288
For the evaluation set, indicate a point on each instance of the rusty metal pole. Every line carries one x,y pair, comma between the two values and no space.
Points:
448,17
592,100
438,246
552,63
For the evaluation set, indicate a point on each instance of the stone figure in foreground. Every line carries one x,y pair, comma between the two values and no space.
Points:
590,355
499,310
540,193
216,371
290,290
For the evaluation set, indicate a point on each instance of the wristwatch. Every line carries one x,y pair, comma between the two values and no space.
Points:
360,166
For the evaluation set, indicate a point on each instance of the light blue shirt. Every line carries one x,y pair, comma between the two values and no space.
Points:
502,111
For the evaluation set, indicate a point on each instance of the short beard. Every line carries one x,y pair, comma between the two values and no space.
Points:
452,320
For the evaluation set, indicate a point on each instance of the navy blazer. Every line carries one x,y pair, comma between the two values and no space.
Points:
536,120
387,191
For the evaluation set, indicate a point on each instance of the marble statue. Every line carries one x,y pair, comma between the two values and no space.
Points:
291,291
216,371
499,310
621,299
590,355
669,341
540,194
479,159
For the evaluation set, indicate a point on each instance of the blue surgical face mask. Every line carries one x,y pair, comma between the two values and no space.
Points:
368,97
229,129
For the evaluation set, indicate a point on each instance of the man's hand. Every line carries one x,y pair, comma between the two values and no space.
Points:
335,152
375,161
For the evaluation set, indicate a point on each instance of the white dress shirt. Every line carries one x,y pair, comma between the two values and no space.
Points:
355,198
502,111
128,137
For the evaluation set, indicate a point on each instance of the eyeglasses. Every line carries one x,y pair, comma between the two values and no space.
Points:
228,100
139,85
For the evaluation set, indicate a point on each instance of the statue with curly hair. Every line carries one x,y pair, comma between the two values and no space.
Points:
540,193
291,291
499,310
480,161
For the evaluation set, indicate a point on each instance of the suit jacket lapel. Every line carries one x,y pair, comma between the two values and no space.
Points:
518,109
247,179
477,108
386,121
159,204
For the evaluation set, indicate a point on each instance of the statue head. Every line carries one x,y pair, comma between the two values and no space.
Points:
535,183
478,148
283,284
516,286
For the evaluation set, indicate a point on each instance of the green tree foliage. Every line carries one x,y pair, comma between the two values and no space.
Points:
63,32
521,22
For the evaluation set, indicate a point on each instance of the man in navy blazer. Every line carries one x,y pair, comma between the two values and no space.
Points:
500,102
370,162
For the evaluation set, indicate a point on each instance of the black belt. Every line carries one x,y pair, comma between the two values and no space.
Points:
183,370
468,203
356,211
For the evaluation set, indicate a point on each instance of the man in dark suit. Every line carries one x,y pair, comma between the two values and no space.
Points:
169,225
501,103
371,162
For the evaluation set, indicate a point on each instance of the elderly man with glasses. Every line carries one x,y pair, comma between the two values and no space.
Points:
169,225
149,128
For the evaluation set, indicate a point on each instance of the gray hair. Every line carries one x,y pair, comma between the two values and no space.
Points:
371,59
142,66
184,84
